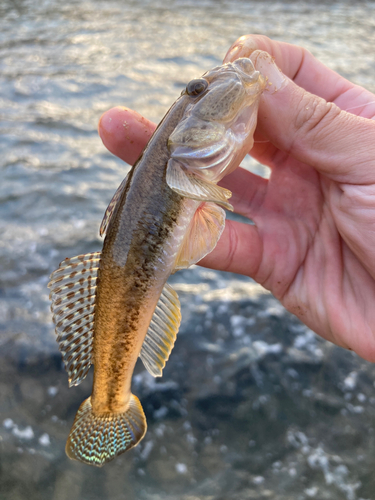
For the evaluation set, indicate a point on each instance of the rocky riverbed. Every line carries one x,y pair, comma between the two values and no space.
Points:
252,404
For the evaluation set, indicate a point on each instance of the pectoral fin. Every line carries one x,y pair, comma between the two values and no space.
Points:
202,235
73,291
191,186
162,332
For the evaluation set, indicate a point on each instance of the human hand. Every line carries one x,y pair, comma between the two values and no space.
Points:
313,242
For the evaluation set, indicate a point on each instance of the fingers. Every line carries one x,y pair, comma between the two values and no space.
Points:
338,144
125,133
309,73
295,62
239,250
248,191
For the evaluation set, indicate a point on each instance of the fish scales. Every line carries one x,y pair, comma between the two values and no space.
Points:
130,260
111,307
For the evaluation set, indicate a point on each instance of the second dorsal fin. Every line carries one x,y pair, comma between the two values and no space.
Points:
73,291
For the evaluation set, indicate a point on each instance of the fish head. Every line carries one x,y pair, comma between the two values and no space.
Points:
219,121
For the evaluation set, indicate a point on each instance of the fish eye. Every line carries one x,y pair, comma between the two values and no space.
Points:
196,87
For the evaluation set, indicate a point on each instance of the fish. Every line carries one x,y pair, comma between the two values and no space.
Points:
113,306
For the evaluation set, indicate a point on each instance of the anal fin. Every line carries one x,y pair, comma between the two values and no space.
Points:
73,291
162,332
191,186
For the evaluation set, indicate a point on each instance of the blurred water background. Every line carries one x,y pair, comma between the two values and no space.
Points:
252,404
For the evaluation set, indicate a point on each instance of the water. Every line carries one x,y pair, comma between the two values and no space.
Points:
252,404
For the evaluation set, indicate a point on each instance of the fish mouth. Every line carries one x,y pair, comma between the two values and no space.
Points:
243,68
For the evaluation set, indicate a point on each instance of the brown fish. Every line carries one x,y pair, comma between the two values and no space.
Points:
112,306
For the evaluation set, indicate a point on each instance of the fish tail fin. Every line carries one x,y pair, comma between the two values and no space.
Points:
98,439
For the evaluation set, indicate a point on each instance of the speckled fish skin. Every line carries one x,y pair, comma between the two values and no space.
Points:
165,216
133,269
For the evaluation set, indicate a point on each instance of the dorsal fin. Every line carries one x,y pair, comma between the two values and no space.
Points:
162,332
191,186
111,207
202,235
73,290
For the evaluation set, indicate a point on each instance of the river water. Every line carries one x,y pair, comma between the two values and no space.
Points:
252,404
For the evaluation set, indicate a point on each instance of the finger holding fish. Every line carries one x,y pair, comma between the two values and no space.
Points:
308,100
125,133
239,250
300,65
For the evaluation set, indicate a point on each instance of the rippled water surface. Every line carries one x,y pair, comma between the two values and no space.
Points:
252,404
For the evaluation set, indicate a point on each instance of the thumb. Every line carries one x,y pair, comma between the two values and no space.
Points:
312,130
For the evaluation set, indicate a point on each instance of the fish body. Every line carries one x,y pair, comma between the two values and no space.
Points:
113,306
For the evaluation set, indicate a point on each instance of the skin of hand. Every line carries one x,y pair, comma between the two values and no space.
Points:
313,242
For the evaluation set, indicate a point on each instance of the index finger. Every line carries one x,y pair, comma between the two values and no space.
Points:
125,133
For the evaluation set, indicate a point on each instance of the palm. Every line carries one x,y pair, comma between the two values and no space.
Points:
299,248
288,222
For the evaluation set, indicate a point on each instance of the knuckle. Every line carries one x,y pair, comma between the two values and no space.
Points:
314,116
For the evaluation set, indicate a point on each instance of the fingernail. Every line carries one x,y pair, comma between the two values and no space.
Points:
242,47
104,125
265,63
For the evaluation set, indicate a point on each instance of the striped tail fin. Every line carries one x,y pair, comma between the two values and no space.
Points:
96,440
